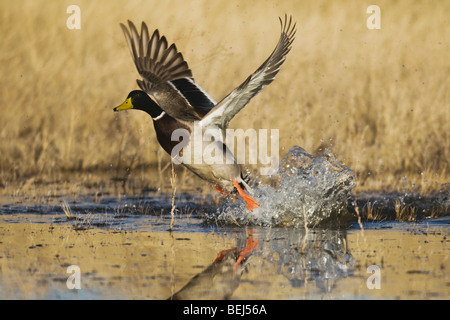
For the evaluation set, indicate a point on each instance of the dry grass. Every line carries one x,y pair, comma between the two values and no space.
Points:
378,99
67,211
404,213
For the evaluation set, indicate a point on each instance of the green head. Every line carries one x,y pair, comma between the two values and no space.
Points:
140,100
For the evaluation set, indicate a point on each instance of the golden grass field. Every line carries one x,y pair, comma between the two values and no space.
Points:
379,99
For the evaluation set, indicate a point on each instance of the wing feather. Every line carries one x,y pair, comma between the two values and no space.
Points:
153,57
226,109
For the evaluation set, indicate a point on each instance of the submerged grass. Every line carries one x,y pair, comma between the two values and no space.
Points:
378,99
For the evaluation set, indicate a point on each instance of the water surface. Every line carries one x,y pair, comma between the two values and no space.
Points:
310,239
126,251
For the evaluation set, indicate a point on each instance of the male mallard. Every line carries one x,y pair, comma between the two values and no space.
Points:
177,102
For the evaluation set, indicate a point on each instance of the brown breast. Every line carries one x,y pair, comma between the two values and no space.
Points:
164,128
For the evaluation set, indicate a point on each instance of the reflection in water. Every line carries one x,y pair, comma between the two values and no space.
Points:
319,256
220,279
301,256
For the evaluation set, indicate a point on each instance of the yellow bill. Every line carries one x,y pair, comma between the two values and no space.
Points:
127,104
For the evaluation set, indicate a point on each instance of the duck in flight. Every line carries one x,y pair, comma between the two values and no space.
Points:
171,97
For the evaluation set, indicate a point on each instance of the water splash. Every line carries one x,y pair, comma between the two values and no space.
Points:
307,191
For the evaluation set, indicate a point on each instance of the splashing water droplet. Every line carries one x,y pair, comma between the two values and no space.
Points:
305,187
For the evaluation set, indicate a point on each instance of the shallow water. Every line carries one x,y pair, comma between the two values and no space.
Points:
125,251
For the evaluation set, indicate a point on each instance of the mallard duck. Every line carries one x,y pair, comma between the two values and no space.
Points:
171,97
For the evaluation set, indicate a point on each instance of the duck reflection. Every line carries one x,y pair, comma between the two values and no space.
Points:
220,279
314,256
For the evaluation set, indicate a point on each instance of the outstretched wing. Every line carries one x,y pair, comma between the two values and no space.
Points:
166,75
154,59
226,109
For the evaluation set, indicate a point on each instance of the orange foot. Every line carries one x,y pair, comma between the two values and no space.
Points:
222,254
220,190
251,245
251,203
